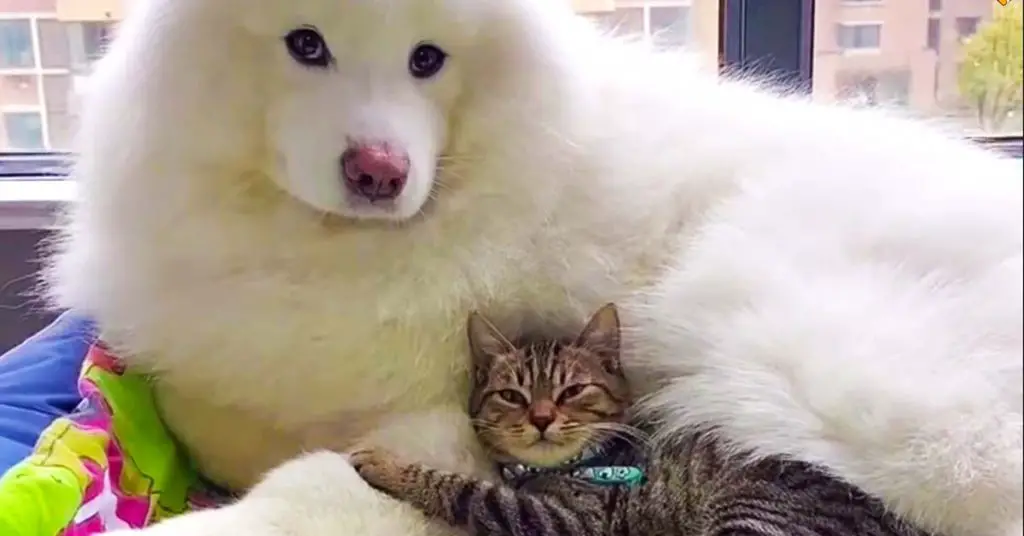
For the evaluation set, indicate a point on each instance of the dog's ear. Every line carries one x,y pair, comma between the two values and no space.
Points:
603,336
485,344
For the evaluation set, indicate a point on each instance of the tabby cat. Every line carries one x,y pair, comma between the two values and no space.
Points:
554,415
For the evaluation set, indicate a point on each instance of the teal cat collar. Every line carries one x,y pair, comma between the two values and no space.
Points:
611,475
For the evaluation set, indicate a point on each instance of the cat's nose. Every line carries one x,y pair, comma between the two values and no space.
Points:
542,415
542,422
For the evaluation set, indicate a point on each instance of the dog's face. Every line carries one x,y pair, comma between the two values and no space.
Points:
351,107
366,95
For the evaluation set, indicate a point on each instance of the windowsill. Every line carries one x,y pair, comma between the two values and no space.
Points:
35,202
33,71
32,203
860,51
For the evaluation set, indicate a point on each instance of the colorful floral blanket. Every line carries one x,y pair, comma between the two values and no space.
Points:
109,465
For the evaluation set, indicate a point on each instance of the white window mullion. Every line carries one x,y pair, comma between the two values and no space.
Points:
40,80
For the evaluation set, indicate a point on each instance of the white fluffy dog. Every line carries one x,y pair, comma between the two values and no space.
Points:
288,210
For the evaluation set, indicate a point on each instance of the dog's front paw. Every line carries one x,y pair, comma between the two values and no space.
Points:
379,468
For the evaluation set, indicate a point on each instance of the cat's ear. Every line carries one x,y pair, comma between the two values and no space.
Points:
485,342
603,336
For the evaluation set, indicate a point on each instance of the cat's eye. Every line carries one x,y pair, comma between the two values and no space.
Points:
512,397
570,392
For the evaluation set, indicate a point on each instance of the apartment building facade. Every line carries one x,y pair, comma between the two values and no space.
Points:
895,51
902,52
890,52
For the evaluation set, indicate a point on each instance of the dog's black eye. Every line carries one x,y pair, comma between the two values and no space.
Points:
426,60
308,47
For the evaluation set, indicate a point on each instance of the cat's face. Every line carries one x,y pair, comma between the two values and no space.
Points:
544,403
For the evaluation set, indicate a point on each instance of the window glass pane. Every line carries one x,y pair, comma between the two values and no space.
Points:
858,36
692,24
670,25
934,33
94,39
626,21
23,130
967,26
19,91
54,52
958,61
16,44
58,90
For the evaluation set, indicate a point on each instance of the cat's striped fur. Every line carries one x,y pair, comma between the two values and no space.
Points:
694,487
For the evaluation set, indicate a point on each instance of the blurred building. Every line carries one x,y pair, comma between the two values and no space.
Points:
894,51
903,52
46,48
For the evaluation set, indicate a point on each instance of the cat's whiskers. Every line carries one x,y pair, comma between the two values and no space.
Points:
605,431
486,424
696,486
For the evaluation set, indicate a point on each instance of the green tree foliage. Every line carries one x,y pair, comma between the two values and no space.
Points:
990,77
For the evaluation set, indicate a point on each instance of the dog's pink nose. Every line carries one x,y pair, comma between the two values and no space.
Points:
374,171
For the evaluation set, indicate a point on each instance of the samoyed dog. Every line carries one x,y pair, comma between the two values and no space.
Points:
286,212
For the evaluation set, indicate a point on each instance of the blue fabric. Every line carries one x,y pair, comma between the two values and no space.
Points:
39,382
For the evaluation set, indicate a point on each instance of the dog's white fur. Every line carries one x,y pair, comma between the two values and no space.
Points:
833,285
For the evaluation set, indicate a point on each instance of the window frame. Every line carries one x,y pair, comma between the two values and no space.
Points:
644,7
958,26
860,24
769,36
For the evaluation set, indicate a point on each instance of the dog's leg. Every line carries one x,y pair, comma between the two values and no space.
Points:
321,494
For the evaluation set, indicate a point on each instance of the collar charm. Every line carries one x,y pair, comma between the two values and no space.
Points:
577,467
611,475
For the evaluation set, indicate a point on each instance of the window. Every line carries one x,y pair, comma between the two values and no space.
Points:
967,26
623,21
669,25
95,36
666,22
45,61
934,33
869,89
86,42
42,59
53,44
952,70
24,130
860,90
16,44
859,36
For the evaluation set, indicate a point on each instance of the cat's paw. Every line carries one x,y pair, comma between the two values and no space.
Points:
379,468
